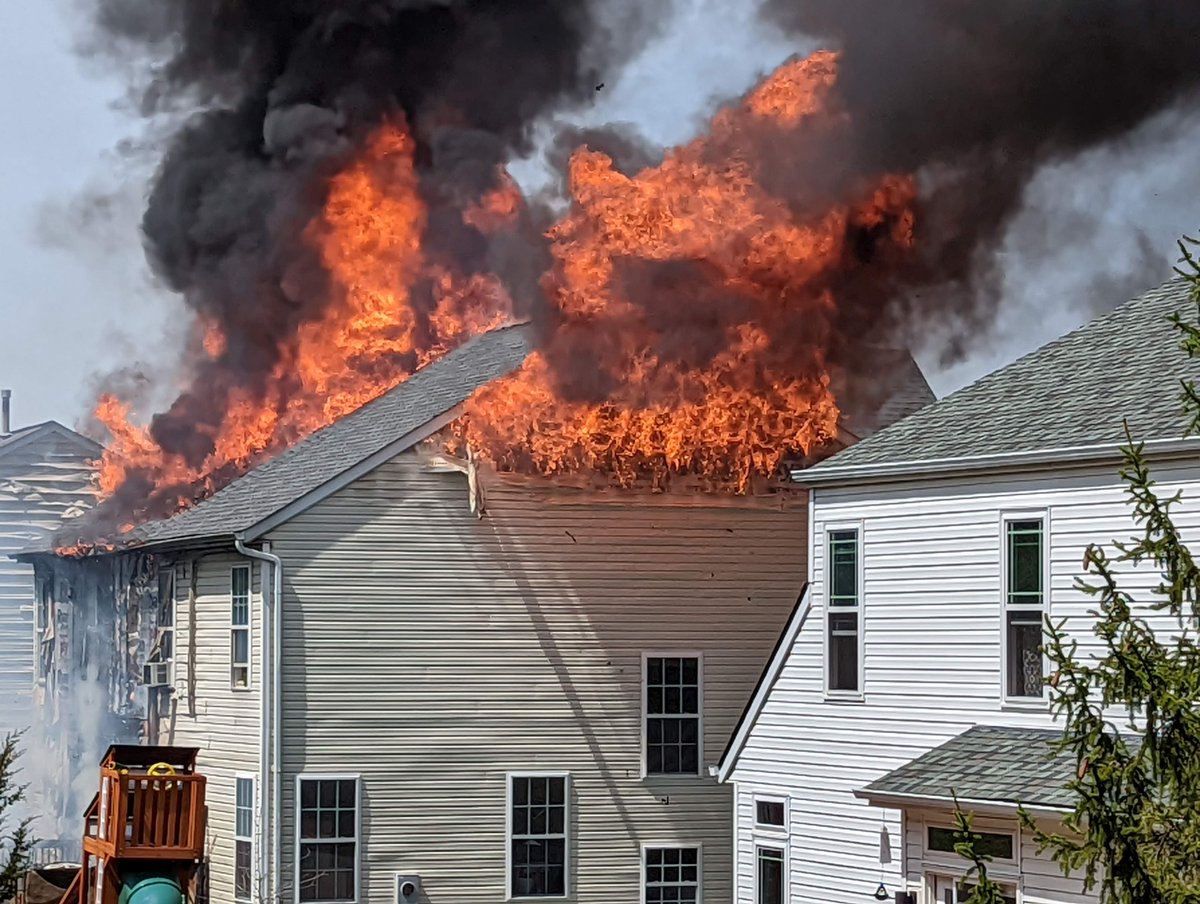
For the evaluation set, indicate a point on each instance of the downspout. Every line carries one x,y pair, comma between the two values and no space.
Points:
268,719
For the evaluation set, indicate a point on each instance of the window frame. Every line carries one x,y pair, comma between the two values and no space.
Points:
950,864
298,839
252,837
675,846
568,812
1007,700
647,655
782,848
247,629
767,829
859,609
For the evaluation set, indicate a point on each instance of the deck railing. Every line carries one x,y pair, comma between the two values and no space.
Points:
147,816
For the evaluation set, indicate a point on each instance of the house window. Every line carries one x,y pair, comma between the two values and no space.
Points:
769,879
243,840
672,875
770,813
845,611
537,833
1024,606
239,635
996,845
672,713
327,855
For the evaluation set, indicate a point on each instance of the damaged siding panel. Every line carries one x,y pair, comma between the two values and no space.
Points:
434,652
225,725
42,483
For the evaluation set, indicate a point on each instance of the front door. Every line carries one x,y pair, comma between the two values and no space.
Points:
946,891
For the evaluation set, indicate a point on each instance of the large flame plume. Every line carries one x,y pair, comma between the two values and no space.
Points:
690,312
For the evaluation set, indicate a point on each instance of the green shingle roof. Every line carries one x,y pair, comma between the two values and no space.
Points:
986,764
1074,392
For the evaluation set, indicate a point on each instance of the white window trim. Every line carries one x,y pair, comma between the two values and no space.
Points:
859,695
675,654
1043,515
255,878
770,831
774,845
358,852
508,827
248,628
676,845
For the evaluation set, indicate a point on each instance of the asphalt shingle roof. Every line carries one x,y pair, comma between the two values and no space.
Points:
1075,391
987,763
430,392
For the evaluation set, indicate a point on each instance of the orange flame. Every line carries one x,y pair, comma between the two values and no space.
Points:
700,300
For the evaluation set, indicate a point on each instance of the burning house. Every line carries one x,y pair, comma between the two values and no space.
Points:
390,653
46,480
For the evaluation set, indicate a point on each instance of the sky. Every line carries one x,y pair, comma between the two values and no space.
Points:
77,300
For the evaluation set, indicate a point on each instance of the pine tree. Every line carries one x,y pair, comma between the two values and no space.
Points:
1135,831
17,845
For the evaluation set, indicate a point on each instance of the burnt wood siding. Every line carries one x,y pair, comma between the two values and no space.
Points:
432,652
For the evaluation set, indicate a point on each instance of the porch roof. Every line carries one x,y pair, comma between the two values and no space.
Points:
988,765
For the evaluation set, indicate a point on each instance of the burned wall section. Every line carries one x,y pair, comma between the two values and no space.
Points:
101,619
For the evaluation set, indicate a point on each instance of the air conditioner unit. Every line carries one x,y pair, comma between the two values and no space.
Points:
156,674
408,889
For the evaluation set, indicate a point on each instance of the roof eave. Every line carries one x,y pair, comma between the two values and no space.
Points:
891,471
895,800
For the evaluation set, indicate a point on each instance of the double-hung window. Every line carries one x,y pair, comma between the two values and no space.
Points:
1024,606
327,840
769,879
243,840
673,698
239,619
538,825
844,612
671,875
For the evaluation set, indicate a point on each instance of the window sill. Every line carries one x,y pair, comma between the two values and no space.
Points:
844,697
1030,705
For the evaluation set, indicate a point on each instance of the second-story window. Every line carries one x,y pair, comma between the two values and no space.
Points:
844,615
672,718
1024,606
239,634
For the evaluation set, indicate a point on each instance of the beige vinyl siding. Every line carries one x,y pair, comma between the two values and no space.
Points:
432,652
932,589
42,483
225,723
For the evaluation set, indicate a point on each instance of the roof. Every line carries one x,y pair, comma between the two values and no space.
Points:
985,764
766,681
25,435
1073,393
347,448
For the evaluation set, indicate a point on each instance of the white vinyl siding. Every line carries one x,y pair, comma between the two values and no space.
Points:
473,647
933,582
223,722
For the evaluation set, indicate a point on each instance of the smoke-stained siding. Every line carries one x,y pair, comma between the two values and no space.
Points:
225,722
432,652
931,604
45,477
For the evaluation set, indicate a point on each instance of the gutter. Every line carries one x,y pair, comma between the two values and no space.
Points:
898,470
898,800
269,714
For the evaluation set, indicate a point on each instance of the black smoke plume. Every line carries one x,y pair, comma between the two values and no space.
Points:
286,89
975,98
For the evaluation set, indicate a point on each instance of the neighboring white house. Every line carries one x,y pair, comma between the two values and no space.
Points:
46,477
911,667
397,665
